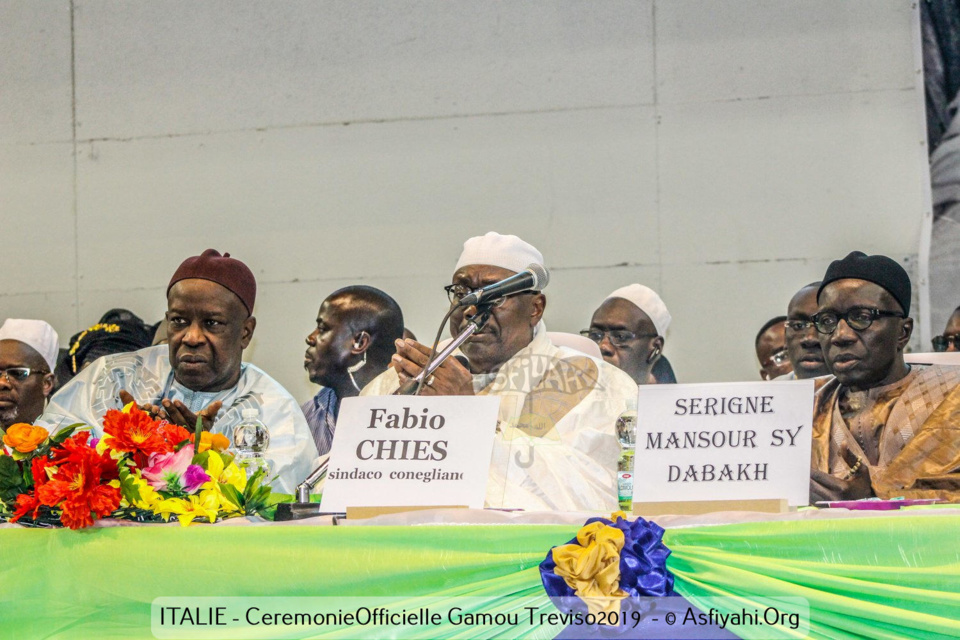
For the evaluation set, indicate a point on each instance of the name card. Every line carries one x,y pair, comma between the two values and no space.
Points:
394,451
724,441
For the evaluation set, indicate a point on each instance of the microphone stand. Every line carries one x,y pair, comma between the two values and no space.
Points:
475,323
303,508
304,488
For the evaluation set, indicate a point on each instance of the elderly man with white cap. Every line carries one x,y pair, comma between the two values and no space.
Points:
28,356
556,446
629,327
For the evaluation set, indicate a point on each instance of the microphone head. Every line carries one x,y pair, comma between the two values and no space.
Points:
540,275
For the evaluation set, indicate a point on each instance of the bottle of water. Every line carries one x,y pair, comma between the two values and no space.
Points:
251,440
627,434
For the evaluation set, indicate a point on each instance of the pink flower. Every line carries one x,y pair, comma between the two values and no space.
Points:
194,477
166,470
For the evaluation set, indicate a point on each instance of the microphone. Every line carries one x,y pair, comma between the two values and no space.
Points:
533,278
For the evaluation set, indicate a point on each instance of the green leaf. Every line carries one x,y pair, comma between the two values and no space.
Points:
197,432
201,458
252,483
230,493
128,488
9,471
65,433
259,500
255,494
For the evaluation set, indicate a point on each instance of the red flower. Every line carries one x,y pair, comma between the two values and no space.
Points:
78,487
137,433
174,434
26,502
38,467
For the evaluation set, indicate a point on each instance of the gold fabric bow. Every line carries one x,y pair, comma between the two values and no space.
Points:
592,567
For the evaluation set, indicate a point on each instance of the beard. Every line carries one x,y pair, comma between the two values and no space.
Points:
9,416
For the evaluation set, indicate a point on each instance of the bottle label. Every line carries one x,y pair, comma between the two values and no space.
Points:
625,487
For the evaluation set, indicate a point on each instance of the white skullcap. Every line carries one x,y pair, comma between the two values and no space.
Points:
37,334
507,252
647,301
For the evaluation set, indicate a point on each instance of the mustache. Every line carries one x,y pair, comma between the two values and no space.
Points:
489,327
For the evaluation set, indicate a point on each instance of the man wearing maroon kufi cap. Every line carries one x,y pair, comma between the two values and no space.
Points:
881,427
228,272
209,323
199,373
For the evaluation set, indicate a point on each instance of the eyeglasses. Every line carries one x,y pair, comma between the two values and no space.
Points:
19,374
942,343
779,358
858,319
455,292
799,326
618,337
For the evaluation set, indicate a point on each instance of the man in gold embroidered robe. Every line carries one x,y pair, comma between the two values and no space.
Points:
556,446
881,427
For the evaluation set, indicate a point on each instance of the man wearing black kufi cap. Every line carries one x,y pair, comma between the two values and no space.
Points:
881,427
200,372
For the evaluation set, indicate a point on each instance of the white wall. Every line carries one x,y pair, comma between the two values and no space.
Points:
720,151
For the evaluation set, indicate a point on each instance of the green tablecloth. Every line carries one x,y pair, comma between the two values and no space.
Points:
877,577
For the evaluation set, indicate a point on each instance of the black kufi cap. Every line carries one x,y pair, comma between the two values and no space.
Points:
880,270
118,331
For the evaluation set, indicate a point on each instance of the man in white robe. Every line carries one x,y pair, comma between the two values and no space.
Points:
149,378
199,373
556,446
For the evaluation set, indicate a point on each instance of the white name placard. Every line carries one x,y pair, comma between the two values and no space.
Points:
724,441
392,451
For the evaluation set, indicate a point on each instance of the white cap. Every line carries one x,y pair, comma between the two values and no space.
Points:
507,252
37,334
647,301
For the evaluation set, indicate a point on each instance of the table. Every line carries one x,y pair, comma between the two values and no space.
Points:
891,575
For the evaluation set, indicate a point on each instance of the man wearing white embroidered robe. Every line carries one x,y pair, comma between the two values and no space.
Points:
199,373
556,447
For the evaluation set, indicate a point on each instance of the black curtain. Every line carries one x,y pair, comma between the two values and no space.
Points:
940,25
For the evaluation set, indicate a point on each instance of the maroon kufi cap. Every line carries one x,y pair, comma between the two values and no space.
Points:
222,269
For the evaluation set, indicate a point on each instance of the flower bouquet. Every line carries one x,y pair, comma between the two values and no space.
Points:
142,469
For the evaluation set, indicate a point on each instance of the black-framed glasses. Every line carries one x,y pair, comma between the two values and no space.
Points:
779,358
19,374
942,343
797,325
857,318
618,337
455,292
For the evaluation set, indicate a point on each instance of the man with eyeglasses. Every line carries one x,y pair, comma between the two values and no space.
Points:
949,340
629,327
803,342
556,446
28,356
881,427
771,346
